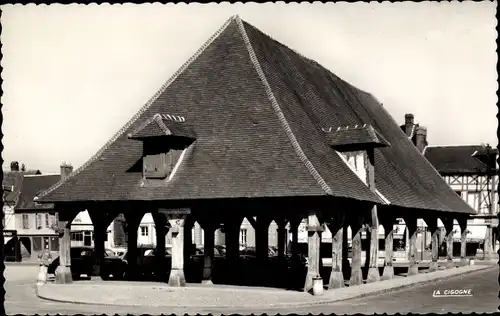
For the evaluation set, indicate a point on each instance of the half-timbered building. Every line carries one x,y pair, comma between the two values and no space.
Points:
469,175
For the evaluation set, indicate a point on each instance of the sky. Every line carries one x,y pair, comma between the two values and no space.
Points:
75,74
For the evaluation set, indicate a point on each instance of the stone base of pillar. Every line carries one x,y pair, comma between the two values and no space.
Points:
373,275
356,277
413,269
464,262
388,273
336,280
63,275
433,266
42,275
207,282
177,278
450,264
308,286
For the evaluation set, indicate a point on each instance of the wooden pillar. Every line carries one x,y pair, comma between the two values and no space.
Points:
162,228
177,222
411,227
232,226
372,251
262,238
65,217
448,226
101,218
99,246
432,226
208,253
356,228
294,228
282,236
388,224
132,220
188,241
314,230
462,222
336,226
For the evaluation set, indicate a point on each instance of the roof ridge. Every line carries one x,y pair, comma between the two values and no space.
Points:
144,107
281,117
41,175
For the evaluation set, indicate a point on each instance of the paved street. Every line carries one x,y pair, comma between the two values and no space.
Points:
21,298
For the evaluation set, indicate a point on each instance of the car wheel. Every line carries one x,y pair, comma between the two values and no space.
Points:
120,275
105,275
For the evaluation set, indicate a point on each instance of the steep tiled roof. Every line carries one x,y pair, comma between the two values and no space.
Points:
33,185
355,138
454,160
12,182
258,109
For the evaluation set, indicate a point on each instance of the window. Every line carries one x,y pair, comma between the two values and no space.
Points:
54,244
87,238
26,221
38,224
243,236
473,200
47,221
46,243
37,243
77,236
54,219
144,231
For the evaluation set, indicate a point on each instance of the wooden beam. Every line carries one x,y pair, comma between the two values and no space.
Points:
388,223
356,228
432,226
336,226
177,278
448,225
411,226
65,216
313,245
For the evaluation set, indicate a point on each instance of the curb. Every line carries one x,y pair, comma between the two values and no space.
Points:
278,305
20,264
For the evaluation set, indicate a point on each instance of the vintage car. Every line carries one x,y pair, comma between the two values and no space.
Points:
84,259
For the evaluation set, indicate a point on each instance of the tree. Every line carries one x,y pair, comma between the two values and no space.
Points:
23,167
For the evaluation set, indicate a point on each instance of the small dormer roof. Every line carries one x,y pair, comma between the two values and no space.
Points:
163,125
351,138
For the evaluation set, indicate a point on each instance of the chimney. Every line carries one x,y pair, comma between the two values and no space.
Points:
421,138
14,166
409,124
66,170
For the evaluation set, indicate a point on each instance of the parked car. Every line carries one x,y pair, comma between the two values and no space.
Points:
119,251
83,260
249,252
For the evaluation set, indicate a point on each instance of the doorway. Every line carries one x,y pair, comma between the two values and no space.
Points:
87,238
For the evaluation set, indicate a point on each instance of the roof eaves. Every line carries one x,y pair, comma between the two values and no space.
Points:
142,110
293,140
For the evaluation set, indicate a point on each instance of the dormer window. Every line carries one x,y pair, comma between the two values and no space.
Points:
164,138
355,138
